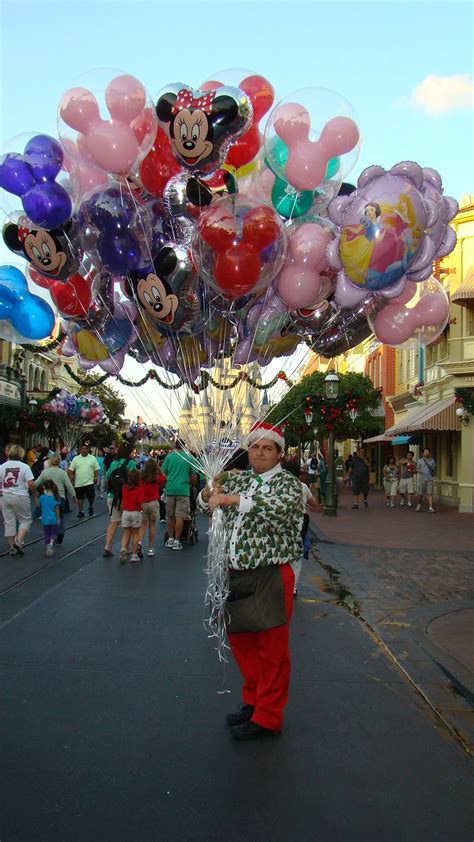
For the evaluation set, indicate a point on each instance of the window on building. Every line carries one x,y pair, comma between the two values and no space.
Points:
470,321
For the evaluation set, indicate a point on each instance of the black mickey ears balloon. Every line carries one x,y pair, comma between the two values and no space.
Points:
202,125
166,290
53,253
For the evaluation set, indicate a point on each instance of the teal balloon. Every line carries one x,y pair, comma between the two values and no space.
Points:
332,168
288,202
279,154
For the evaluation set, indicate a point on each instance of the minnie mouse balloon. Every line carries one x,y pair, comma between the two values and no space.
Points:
202,126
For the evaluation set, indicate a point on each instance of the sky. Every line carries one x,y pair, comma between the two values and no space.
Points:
405,67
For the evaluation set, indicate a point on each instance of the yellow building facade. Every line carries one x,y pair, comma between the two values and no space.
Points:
423,397
426,380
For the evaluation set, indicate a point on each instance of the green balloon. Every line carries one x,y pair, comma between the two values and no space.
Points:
279,154
332,168
289,203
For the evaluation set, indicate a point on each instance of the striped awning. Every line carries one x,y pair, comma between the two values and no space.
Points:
464,294
434,416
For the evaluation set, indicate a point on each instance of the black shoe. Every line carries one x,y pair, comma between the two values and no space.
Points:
251,731
18,550
242,715
81,514
366,504
140,552
91,511
60,539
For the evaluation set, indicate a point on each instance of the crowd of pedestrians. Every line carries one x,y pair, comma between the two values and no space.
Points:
400,477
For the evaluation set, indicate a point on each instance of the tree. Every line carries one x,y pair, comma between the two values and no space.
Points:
356,392
112,401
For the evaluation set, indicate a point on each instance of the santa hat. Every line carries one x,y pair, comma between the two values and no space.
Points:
260,430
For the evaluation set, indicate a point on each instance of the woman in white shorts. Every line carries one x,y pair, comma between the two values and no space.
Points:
16,483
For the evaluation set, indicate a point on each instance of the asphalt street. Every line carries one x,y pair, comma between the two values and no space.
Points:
113,716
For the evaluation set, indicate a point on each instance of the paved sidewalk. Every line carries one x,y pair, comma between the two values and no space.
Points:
410,576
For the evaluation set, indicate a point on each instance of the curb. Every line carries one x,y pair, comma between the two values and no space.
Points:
445,685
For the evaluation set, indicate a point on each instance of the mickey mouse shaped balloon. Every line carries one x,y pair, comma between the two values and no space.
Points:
166,290
54,252
202,126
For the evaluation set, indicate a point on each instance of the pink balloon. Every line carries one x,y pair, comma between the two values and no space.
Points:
395,324
79,109
308,244
339,136
407,294
113,146
292,123
299,286
432,309
125,98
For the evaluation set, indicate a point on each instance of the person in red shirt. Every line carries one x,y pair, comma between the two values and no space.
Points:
152,485
132,499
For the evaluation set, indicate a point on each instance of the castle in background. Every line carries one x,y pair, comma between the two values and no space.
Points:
223,413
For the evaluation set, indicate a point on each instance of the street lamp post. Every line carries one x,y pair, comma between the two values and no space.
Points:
331,386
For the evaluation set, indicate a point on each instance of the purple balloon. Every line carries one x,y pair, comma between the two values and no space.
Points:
411,170
32,176
15,175
47,205
346,294
44,157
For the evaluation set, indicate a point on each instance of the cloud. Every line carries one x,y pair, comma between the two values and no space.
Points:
437,95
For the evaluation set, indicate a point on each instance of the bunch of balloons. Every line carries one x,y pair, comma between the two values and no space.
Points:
138,431
213,222
87,408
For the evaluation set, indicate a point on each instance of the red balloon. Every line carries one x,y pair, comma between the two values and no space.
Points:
237,270
159,165
218,229
40,280
261,95
245,149
260,228
73,297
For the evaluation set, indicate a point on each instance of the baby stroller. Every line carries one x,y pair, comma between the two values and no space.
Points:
189,534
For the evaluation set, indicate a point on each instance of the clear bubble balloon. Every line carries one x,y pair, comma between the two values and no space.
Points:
239,245
312,139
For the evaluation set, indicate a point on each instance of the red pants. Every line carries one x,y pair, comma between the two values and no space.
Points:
264,661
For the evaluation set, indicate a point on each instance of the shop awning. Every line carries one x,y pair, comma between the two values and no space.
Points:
407,440
434,416
464,294
375,439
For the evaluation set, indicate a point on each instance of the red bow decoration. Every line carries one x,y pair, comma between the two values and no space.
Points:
185,99
22,233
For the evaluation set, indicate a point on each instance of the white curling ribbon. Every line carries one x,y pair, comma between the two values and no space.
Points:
218,583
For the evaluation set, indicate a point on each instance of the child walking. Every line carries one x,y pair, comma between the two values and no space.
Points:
151,488
132,499
49,503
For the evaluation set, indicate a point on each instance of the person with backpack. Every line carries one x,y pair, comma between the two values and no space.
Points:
116,478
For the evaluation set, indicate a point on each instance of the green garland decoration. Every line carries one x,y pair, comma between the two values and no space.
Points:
205,379
51,346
